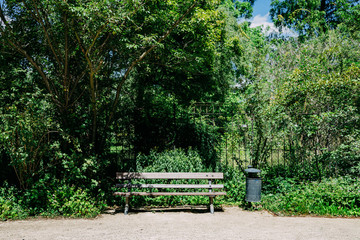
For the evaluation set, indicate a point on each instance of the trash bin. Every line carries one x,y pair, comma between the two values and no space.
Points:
253,184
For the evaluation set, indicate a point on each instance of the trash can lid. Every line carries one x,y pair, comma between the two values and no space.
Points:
252,170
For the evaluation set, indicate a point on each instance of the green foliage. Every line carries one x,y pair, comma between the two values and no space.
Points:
115,34
170,161
331,197
239,8
72,71
56,199
317,99
79,79
234,183
10,205
315,16
304,103
26,127
70,201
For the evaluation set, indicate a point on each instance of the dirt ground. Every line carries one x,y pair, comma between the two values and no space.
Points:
231,223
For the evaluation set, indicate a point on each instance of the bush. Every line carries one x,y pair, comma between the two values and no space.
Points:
234,183
58,199
331,197
10,206
72,202
171,161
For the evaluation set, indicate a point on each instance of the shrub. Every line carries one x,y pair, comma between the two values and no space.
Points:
10,206
171,161
70,201
58,199
331,197
234,183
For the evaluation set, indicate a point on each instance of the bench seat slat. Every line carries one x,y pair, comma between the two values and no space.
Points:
167,175
177,186
154,194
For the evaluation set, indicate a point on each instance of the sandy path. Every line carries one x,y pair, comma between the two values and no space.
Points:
233,223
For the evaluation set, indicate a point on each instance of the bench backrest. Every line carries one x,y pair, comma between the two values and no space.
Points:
167,175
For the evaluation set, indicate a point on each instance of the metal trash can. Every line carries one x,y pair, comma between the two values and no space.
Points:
253,185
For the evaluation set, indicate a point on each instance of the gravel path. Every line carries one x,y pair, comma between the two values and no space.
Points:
232,223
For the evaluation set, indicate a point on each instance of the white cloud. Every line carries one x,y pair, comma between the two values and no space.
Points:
269,26
259,20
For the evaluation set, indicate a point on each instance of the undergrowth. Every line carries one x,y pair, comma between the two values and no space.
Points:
62,200
331,197
281,195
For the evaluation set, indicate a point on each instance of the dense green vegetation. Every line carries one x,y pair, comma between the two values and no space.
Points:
88,88
314,17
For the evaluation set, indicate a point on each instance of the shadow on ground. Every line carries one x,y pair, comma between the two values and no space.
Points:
185,209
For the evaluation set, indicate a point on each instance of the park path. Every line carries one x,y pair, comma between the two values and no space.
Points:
232,223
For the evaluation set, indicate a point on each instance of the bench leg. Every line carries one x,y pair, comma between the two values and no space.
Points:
126,206
211,205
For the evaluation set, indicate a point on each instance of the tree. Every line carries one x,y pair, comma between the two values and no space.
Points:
81,55
198,65
314,16
67,42
308,92
239,8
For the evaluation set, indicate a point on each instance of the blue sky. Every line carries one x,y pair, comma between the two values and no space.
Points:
261,7
261,14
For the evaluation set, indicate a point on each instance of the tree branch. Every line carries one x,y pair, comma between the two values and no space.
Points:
66,63
16,46
96,37
3,19
47,36
38,68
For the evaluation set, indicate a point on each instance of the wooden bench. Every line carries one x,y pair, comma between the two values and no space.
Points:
210,176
